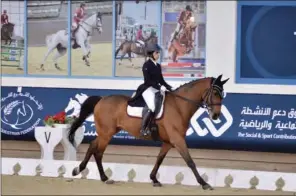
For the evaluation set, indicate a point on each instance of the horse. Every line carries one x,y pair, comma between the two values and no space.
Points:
182,44
111,114
7,32
129,47
59,40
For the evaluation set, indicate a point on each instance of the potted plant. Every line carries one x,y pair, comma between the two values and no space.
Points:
59,120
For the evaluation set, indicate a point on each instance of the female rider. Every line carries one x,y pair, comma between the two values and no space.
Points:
150,89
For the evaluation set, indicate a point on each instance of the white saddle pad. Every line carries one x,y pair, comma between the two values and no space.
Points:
138,111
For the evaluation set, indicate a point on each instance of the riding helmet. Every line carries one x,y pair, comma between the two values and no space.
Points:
4,11
82,4
141,26
188,8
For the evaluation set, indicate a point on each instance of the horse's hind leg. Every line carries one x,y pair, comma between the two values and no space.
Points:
130,57
102,144
45,57
121,57
91,150
163,152
59,54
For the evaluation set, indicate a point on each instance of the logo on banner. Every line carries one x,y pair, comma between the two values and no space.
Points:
73,109
17,111
210,126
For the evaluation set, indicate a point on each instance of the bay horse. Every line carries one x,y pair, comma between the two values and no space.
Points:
59,40
111,116
7,32
129,47
183,43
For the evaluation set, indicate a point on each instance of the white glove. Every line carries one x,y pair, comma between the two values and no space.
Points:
163,88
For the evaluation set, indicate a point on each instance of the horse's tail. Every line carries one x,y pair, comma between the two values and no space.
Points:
48,39
87,108
119,48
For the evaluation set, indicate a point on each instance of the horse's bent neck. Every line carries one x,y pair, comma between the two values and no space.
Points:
193,91
89,24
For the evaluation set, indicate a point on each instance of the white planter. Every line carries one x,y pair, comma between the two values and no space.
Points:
69,150
48,138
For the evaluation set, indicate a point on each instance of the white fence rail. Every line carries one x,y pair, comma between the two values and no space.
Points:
140,173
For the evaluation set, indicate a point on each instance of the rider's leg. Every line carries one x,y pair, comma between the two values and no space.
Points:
74,27
149,97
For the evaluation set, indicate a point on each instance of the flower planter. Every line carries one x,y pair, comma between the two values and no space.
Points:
49,137
69,150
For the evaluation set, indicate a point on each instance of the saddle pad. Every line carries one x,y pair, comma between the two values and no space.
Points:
138,111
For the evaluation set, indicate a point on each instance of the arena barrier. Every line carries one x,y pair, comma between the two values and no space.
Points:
12,56
140,173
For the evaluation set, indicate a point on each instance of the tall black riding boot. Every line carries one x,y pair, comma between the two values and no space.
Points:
146,118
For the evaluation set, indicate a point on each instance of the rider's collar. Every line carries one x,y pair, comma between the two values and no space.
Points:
153,61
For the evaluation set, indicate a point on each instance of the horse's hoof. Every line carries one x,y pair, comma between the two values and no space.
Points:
75,171
207,187
109,182
157,184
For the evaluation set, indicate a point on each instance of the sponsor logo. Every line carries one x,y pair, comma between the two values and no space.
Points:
17,111
201,119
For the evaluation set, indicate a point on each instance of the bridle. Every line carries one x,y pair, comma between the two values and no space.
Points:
207,99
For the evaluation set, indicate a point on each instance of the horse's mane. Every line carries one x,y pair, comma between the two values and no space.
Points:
192,82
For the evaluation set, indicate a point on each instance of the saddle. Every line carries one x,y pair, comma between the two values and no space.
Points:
136,107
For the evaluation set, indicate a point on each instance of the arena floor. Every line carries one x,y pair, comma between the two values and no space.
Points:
100,61
129,69
27,185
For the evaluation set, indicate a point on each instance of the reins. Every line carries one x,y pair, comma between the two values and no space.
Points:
203,103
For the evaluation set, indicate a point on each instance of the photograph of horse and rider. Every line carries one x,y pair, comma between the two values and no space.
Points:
12,37
183,37
137,27
90,35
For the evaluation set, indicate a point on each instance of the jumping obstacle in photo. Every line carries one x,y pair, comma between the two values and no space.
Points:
11,56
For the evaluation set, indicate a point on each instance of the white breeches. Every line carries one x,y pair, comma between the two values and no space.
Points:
74,25
141,42
149,97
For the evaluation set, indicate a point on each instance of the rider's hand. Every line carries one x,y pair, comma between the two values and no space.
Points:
163,88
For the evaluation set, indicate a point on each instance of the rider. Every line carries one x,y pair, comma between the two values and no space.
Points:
153,83
78,16
139,37
4,18
184,16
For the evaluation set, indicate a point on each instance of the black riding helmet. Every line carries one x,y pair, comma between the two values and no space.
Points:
151,48
188,8
82,4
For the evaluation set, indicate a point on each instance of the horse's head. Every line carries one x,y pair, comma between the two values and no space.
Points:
213,96
207,93
99,25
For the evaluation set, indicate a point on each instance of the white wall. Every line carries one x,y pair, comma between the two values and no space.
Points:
220,59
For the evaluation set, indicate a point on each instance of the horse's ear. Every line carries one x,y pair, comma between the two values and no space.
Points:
219,77
224,81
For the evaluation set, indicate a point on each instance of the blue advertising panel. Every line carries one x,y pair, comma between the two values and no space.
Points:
248,121
266,42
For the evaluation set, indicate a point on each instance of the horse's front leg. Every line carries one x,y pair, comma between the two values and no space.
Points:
163,152
85,53
179,143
